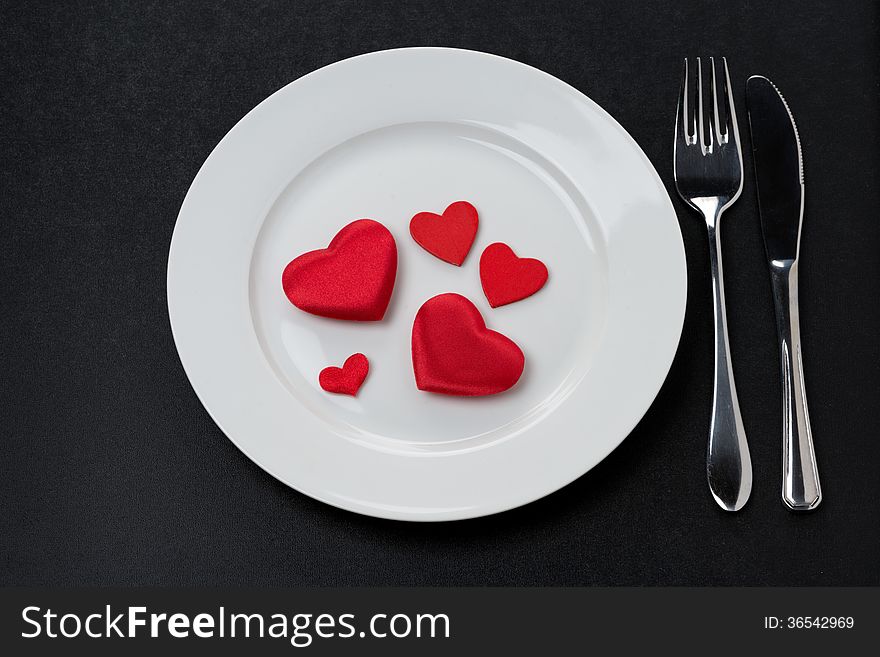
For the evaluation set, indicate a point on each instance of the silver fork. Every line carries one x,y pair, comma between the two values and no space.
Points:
708,176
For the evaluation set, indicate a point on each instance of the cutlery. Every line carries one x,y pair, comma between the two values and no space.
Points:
708,176
779,172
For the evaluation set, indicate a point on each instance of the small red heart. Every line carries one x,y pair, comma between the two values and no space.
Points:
345,380
352,278
507,278
455,354
448,236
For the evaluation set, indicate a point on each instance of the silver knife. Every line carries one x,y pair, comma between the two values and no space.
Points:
779,171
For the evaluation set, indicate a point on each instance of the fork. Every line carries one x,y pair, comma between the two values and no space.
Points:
709,177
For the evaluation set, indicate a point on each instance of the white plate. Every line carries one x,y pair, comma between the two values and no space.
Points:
384,136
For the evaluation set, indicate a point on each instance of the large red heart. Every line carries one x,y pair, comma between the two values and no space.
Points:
448,236
455,354
507,278
345,380
353,278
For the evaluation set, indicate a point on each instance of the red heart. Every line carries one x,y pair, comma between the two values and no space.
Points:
353,278
507,278
455,354
448,236
345,380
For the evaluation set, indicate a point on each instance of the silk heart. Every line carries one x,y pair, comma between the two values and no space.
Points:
448,236
507,278
455,354
352,278
345,380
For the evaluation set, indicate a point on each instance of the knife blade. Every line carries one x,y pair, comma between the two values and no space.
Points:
779,172
779,168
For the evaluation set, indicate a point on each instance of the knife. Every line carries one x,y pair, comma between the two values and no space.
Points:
779,172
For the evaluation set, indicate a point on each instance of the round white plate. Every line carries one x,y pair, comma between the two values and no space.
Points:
384,136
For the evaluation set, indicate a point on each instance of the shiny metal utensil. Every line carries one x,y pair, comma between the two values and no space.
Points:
779,171
708,176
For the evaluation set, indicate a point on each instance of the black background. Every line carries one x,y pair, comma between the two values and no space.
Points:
111,471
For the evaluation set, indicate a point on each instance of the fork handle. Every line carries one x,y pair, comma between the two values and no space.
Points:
728,464
800,476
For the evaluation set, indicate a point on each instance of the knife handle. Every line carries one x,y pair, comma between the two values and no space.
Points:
800,476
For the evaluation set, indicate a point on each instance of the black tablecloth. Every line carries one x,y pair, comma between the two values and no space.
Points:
112,472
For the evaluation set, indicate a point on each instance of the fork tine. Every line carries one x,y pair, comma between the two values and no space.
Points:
706,147
682,131
722,138
731,110
700,121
